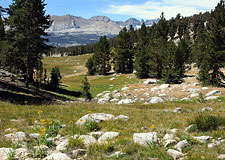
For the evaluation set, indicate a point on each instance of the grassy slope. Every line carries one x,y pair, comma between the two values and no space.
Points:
140,115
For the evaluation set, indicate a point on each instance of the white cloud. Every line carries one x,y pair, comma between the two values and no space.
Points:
152,9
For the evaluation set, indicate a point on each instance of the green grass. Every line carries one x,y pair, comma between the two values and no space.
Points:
140,116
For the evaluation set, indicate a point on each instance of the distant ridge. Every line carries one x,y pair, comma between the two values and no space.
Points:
71,30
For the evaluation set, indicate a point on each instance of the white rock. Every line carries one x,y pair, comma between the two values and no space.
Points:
211,98
195,84
117,95
162,95
122,117
190,127
125,101
98,133
214,92
99,95
34,135
150,81
164,86
4,152
114,100
221,156
180,145
111,79
87,139
22,153
155,89
175,154
57,156
125,89
117,154
194,95
42,147
177,110
169,142
115,91
145,138
17,136
62,145
193,90
108,136
206,109
186,99
168,137
205,88
96,117
174,130
154,100
203,139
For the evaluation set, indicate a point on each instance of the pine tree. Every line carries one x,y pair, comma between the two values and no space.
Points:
209,48
86,89
102,56
170,72
55,77
141,64
90,65
123,57
27,22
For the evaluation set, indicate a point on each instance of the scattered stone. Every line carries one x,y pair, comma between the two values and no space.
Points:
87,139
111,79
17,120
17,136
42,147
22,153
180,145
150,81
122,117
169,142
154,100
99,133
190,128
108,136
203,139
193,90
214,92
62,145
206,109
4,152
162,95
168,137
114,100
211,98
195,84
117,95
57,156
125,101
96,117
145,138
115,91
221,156
175,154
164,86
125,89
34,135
177,110
155,89
194,95
75,153
174,130
186,99
205,88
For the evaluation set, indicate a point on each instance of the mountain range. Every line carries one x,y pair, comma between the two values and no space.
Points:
71,30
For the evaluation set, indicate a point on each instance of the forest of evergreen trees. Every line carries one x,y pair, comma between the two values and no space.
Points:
167,49
164,50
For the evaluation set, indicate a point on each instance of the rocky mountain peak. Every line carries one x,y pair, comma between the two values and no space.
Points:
100,18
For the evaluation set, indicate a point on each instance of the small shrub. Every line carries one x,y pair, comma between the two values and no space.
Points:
207,122
86,89
76,142
91,126
55,77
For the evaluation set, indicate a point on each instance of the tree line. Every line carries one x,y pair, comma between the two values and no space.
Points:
167,49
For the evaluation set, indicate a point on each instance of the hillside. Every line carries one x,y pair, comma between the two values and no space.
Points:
157,131
71,30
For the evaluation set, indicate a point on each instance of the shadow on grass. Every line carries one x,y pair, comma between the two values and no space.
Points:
31,96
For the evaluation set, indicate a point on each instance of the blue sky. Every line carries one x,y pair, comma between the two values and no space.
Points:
124,9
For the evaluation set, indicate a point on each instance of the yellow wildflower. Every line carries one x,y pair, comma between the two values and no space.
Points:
43,130
81,120
25,102
41,134
89,112
50,122
152,126
39,111
72,122
43,120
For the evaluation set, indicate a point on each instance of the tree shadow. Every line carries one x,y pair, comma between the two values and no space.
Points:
18,94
